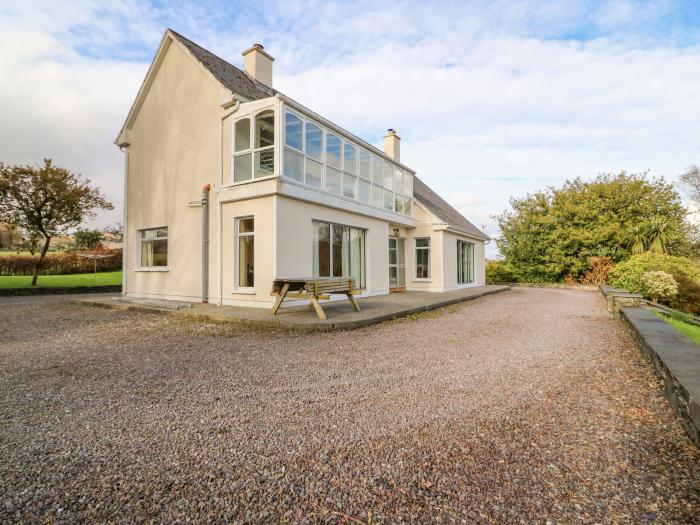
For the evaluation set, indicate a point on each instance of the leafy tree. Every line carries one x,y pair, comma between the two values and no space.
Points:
88,239
552,234
46,200
116,231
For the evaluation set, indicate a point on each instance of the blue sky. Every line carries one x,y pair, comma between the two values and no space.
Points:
491,99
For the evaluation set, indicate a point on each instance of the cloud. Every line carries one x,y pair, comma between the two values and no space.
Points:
491,99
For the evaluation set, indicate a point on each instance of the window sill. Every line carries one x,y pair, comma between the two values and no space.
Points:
154,269
420,280
244,291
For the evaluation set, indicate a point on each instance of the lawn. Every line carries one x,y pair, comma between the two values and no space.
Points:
690,330
63,281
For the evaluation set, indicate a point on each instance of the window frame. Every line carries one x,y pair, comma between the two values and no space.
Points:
470,263
237,288
140,240
362,285
252,150
427,249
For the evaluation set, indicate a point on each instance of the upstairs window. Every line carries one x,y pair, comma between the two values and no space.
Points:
254,147
332,150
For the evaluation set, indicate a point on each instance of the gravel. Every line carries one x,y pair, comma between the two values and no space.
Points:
522,407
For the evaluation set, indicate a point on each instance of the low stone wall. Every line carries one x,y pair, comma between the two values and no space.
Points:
117,288
676,360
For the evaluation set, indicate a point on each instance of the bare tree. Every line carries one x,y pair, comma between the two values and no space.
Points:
690,181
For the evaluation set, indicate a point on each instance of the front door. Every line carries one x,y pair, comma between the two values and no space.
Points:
397,264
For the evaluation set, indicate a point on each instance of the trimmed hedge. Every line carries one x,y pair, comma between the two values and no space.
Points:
61,263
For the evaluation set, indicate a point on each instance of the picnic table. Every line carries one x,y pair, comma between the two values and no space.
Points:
313,289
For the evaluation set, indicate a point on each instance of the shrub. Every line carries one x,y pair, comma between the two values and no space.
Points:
599,270
659,286
629,275
59,263
497,272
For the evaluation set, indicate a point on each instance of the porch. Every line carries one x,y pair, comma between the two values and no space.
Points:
341,315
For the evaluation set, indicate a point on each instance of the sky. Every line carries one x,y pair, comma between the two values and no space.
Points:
492,99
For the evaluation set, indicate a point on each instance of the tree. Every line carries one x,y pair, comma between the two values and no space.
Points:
9,235
46,200
552,233
88,239
116,231
690,181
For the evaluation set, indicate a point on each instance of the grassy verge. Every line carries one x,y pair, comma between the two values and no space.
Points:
63,281
690,330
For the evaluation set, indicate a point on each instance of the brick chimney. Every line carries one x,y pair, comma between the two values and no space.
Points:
258,64
392,145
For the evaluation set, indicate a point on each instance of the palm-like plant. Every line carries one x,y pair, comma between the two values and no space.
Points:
637,239
658,234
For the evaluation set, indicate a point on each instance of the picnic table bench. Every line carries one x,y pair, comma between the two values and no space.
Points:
313,289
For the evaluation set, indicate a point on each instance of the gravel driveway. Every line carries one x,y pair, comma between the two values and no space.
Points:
522,407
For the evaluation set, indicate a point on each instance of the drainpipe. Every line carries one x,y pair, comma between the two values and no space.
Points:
205,243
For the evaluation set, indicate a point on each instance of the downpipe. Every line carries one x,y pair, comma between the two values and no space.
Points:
205,243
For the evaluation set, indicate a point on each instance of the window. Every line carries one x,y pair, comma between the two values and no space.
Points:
332,180
314,141
377,195
265,144
254,147
349,158
292,131
423,258
388,200
332,150
377,170
349,185
293,165
465,262
407,184
245,234
338,251
388,176
314,173
364,165
242,156
363,190
154,248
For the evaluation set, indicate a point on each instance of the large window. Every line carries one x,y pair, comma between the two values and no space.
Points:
465,262
254,147
338,251
423,258
154,247
323,159
245,242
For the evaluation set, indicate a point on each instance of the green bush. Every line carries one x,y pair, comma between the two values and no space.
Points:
497,272
629,275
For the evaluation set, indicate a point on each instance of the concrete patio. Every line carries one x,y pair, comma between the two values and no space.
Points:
340,314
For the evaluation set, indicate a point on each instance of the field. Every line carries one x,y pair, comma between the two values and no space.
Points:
63,281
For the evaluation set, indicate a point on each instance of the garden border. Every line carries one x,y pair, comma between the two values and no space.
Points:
63,290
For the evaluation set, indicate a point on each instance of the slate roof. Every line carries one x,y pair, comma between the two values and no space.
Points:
240,83
229,75
443,211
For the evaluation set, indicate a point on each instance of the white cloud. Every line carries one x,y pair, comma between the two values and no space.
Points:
491,99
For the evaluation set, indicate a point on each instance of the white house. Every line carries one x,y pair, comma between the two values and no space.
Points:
287,193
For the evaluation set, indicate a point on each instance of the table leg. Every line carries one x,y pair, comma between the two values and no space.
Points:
317,306
280,298
353,302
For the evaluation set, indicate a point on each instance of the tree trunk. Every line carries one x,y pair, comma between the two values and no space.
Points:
35,275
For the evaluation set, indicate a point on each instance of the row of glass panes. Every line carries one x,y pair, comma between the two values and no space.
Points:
364,177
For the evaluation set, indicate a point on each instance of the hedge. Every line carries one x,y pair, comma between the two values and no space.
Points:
60,263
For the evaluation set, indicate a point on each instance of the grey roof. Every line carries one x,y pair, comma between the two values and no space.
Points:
229,75
443,211
240,83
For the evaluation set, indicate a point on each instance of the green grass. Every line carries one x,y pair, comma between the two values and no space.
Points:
690,330
61,281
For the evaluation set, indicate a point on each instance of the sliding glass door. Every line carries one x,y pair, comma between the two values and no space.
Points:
338,251
465,262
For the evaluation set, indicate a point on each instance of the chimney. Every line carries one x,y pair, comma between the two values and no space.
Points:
392,145
258,64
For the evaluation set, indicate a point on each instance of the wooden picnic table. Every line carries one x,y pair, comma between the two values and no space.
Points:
313,289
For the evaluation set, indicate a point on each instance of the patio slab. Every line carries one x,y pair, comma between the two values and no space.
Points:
340,314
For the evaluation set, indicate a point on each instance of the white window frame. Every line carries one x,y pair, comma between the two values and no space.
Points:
236,262
139,243
359,149
363,278
470,264
415,257
252,150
